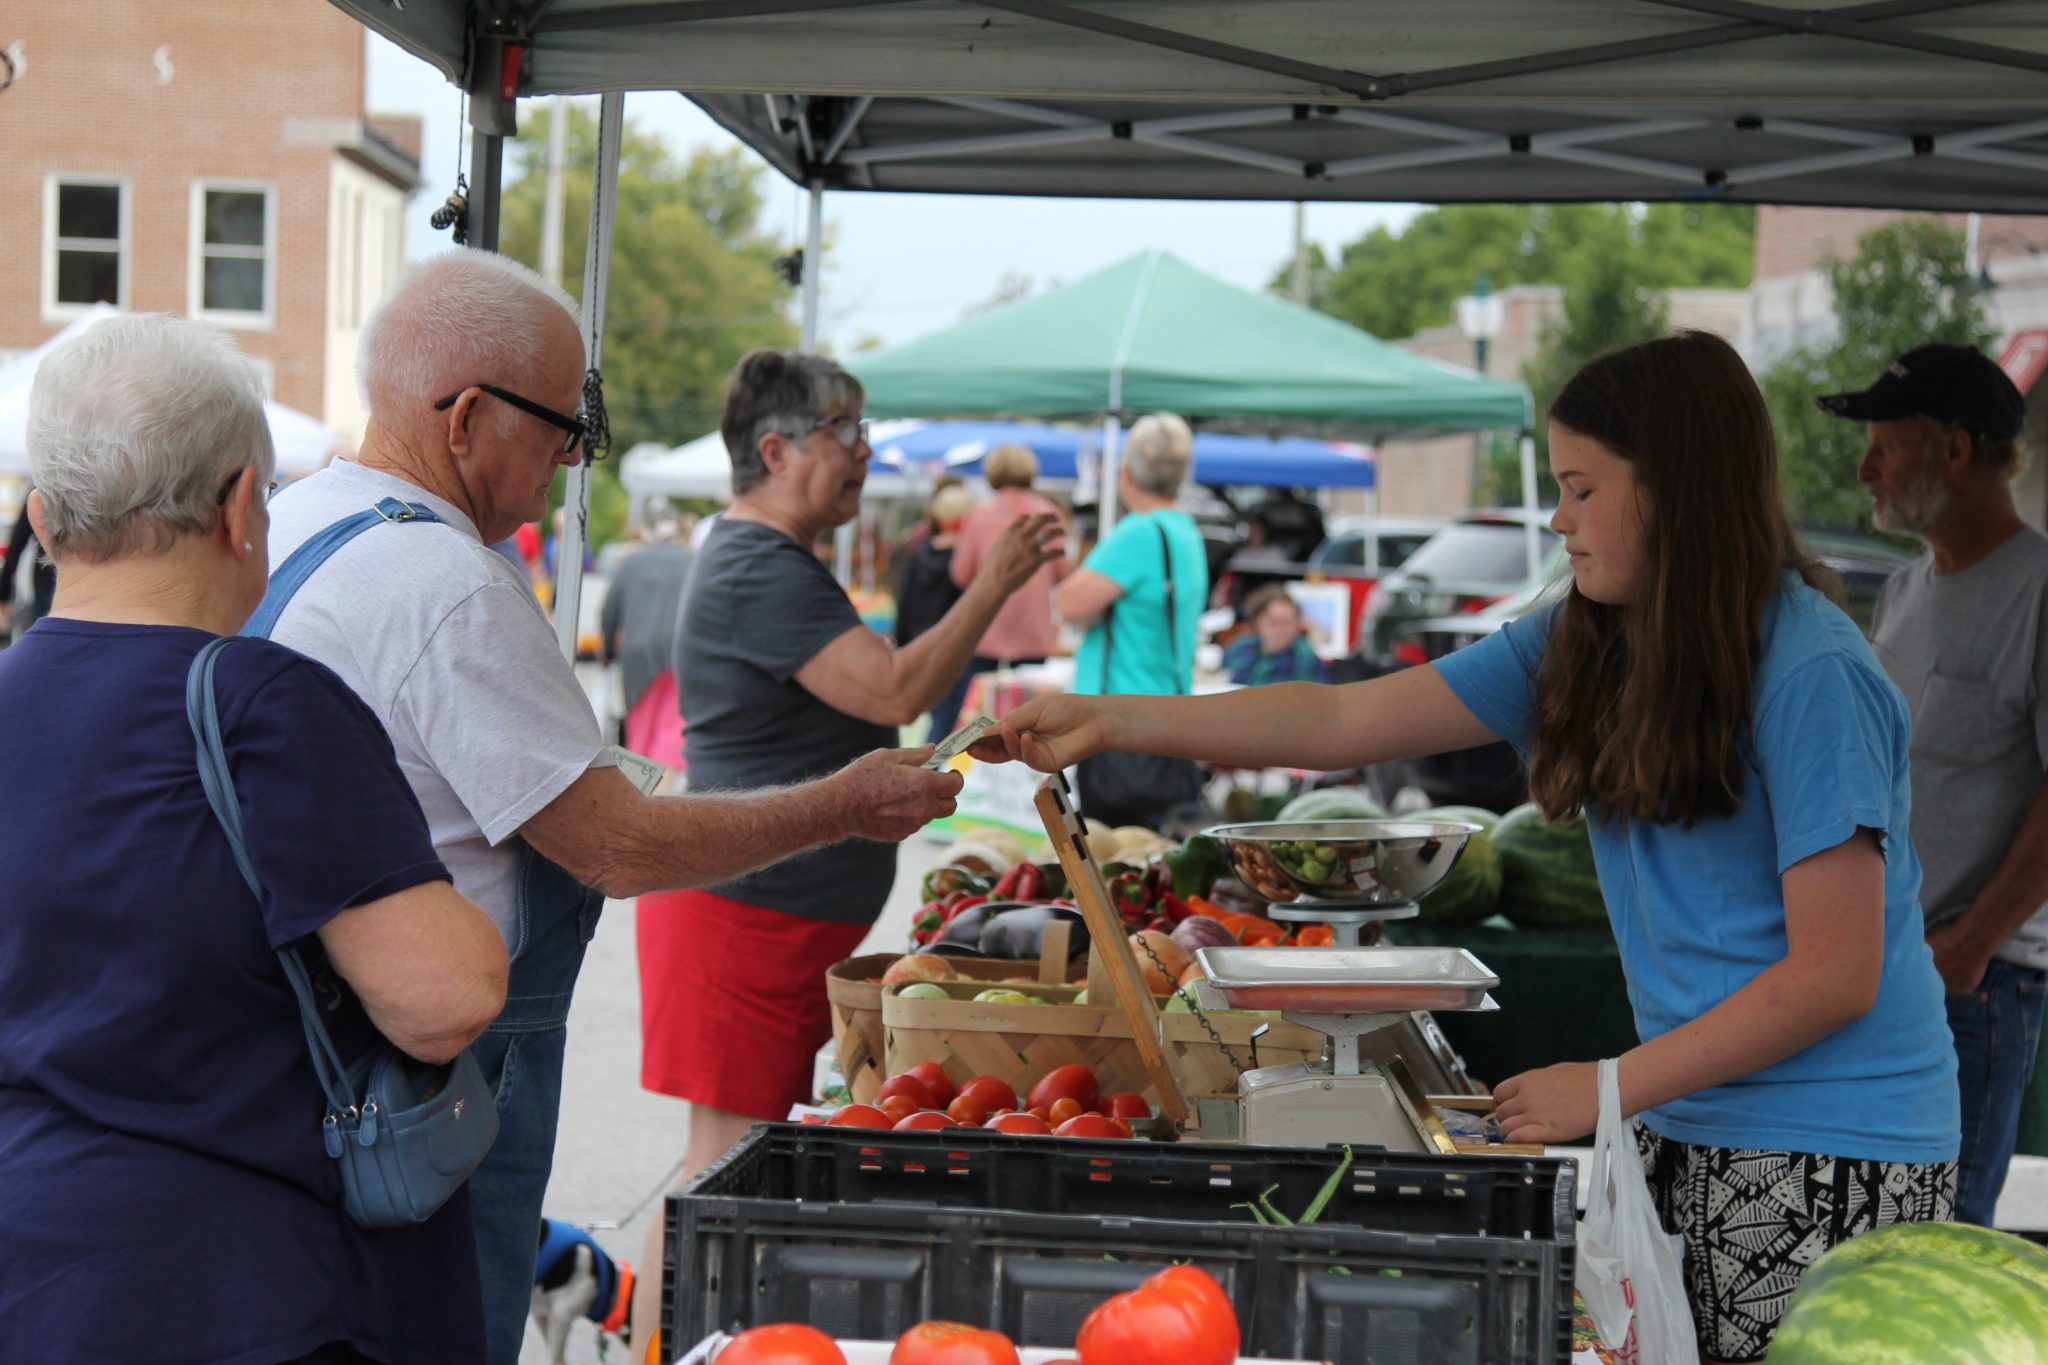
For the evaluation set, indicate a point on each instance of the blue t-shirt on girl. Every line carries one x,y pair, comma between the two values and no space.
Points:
1699,913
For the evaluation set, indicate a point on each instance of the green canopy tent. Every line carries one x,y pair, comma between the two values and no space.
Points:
1152,333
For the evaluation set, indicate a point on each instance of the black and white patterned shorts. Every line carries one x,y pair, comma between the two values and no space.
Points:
1754,1220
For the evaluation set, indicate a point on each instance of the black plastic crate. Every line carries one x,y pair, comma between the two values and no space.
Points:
1416,1260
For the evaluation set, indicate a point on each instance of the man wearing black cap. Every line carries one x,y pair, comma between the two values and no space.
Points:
1963,632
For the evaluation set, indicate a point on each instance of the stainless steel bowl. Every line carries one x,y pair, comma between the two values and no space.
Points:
1344,862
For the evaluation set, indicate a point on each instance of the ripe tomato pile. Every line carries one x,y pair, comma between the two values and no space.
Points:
1178,1317
1066,1102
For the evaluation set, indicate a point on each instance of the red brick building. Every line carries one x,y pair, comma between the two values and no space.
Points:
209,160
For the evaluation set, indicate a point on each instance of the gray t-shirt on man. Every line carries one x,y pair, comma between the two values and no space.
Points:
1970,652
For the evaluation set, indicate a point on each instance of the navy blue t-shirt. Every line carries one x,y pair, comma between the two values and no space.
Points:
164,1195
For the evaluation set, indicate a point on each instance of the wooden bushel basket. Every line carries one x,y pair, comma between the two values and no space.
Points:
1020,1043
854,988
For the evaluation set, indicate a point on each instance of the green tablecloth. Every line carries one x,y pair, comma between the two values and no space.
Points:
1561,996
1562,1000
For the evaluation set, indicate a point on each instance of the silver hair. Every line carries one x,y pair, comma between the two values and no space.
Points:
460,318
134,428
1158,453
781,392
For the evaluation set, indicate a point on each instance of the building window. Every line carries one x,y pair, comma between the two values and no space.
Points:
86,220
232,237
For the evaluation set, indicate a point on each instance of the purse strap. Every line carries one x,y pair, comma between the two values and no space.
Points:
203,712
1172,618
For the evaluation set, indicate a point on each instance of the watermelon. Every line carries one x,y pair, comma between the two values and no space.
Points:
1331,803
1547,875
1959,1242
1472,890
1909,1309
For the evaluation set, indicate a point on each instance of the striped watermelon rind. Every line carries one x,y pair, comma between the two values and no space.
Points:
1548,879
1896,1310
1472,890
1962,1243
1332,803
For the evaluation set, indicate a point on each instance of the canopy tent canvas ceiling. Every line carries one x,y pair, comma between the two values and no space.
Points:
1152,333
1935,104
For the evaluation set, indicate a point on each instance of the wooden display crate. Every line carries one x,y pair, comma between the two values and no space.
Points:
854,988
1020,1043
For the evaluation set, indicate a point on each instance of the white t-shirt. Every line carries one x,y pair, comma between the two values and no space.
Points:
443,639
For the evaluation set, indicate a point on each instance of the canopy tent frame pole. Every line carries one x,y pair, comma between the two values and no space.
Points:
844,536
1532,536
597,275
486,188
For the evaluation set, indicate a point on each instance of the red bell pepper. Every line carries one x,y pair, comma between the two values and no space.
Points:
1030,882
1006,885
952,907
1175,908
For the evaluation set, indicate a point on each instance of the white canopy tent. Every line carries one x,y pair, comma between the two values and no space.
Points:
303,443
1918,104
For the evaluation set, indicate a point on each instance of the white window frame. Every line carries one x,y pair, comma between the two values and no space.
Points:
195,272
53,311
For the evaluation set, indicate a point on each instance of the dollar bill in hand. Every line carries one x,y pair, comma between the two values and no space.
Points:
959,742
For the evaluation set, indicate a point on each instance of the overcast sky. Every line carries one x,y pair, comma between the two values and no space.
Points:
903,265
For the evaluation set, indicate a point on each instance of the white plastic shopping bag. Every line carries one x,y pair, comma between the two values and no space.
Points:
1629,1269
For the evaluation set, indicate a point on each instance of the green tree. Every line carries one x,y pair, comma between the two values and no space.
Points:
1394,283
1907,285
693,281
1613,304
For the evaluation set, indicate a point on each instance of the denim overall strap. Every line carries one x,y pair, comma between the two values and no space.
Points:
304,561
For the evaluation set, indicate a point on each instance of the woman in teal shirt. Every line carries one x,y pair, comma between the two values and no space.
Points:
1741,758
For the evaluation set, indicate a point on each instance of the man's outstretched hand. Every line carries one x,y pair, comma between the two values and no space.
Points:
892,797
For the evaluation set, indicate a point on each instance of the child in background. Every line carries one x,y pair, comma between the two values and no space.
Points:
1275,651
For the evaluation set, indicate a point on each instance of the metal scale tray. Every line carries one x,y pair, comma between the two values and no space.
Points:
1379,980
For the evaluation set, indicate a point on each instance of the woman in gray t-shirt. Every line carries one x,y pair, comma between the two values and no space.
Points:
781,682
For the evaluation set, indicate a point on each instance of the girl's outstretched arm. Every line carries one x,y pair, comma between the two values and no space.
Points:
1834,960
1285,725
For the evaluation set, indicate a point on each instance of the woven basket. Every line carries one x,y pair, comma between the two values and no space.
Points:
1020,1043
855,989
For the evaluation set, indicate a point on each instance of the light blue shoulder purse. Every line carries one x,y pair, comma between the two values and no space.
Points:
407,1133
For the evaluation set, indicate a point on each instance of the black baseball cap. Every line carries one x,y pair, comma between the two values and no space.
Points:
1958,385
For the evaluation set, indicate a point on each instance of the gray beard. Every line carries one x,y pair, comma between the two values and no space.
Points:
1918,507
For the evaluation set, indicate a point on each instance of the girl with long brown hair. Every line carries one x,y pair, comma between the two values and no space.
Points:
1740,757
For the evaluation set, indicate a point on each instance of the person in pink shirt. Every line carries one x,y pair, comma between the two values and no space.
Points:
1024,630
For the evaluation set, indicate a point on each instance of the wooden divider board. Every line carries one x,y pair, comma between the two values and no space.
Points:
1109,949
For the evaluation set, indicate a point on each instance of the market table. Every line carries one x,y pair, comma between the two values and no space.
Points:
1561,996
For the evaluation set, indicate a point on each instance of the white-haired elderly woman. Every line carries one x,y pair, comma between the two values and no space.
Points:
1120,595
781,682
164,1192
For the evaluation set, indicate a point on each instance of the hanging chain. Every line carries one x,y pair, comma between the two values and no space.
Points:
1138,941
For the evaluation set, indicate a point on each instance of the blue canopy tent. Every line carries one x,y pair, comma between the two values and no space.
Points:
1074,454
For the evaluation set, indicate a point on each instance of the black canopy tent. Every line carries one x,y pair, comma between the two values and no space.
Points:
1913,104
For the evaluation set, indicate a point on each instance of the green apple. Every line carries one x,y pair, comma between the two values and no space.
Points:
922,990
1003,997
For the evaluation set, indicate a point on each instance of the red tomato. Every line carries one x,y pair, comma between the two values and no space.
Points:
935,1080
992,1091
926,1119
782,1343
968,1110
952,1343
1021,1124
1180,1315
912,1088
1127,1104
1059,1111
1089,1126
1123,1126
898,1107
860,1116
1041,1112
1073,1082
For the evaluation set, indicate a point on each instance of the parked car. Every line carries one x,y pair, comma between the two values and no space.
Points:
1341,557
1492,775
1468,566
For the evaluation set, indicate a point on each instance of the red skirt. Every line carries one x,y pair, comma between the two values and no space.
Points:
732,1000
